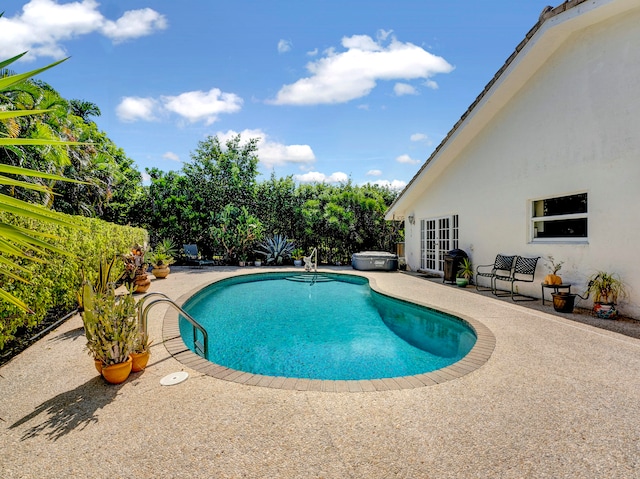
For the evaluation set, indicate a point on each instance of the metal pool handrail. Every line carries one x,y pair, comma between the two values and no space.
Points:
308,263
201,348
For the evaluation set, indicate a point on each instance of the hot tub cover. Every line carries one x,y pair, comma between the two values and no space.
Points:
374,260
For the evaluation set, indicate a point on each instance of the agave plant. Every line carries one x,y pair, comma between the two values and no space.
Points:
13,240
276,249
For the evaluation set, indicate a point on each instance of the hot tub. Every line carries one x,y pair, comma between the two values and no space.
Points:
374,260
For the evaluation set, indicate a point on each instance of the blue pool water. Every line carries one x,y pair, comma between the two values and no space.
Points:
336,328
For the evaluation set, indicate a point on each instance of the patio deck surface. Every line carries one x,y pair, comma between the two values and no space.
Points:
555,399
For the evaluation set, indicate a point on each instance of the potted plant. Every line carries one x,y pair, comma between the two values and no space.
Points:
554,267
242,261
135,269
606,289
110,324
161,257
141,351
297,255
465,273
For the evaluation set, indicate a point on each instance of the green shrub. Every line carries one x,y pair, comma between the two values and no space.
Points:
53,284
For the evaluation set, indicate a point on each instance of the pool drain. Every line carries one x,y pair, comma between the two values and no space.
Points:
174,378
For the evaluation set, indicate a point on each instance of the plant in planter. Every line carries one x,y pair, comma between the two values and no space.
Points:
606,289
161,257
297,255
110,324
276,249
554,267
465,273
135,269
141,351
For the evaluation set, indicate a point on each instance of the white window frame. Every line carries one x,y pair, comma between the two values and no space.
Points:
437,236
541,219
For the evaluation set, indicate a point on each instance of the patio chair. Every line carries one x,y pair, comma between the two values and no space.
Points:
502,266
193,257
524,270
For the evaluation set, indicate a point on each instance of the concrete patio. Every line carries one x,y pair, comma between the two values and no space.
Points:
555,399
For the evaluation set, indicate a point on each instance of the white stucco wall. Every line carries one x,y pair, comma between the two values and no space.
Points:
574,127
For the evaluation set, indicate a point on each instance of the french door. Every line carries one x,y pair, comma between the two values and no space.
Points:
437,236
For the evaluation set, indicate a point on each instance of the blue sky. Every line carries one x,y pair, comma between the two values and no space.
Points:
334,89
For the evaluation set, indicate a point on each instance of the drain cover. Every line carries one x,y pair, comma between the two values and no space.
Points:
174,378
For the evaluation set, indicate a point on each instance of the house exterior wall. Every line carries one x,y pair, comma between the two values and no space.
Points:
574,127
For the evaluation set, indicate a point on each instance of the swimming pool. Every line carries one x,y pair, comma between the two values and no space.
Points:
328,327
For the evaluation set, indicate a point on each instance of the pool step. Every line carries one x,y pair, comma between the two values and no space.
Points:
309,278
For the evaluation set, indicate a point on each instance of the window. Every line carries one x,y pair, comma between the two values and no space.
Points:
560,219
437,236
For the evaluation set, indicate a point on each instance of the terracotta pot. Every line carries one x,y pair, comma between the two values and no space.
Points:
161,271
139,361
98,365
117,373
142,283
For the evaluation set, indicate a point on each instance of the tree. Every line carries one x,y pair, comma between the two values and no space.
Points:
84,109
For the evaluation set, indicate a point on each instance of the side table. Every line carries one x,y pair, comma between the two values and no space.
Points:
555,288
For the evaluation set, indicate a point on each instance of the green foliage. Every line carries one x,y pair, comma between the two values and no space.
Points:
466,269
163,254
237,230
606,287
15,241
276,249
53,283
110,322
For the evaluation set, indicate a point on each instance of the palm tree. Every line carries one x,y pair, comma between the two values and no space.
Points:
16,241
84,109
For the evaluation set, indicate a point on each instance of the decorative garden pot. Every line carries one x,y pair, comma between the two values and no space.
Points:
117,373
563,302
462,282
142,283
162,271
139,361
98,365
605,310
552,279
241,264
258,262
297,262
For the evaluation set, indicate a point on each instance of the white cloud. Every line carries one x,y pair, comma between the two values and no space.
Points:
192,106
43,26
339,77
407,159
401,89
272,153
170,155
202,106
431,84
284,46
132,109
419,137
374,173
317,177
313,52
394,184
134,24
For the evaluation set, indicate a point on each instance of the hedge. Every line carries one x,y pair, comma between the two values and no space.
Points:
53,283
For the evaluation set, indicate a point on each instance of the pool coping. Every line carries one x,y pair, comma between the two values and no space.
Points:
475,359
